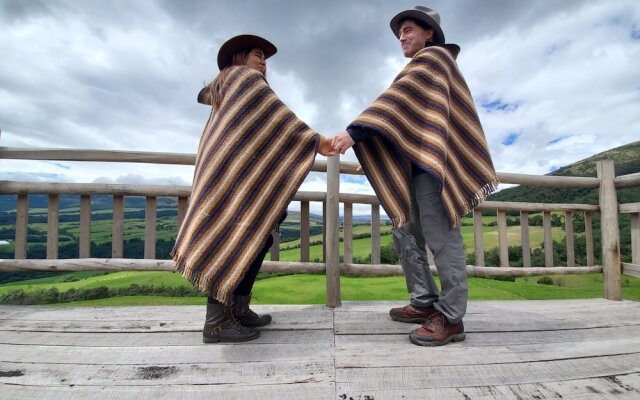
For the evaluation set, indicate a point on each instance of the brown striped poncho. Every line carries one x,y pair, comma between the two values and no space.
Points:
253,156
426,117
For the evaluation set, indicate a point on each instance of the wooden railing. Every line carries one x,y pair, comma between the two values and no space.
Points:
331,199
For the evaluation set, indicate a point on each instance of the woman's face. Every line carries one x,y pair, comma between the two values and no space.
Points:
256,60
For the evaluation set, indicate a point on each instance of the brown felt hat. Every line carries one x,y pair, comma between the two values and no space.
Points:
241,42
423,14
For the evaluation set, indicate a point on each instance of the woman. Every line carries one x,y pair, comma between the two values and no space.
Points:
253,156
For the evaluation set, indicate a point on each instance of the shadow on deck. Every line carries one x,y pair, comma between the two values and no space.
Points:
514,350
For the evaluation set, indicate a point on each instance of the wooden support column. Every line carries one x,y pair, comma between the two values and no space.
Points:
85,226
478,238
588,236
548,239
22,226
375,234
304,231
117,229
347,233
610,231
503,243
524,233
53,226
275,246
150,222
568,230
635,238
332,233
183,206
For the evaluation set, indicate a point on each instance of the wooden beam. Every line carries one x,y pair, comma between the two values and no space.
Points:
22,226
117,227
375,234
588,235
150,222
478,239
635,238
548,239
332,241
85,226
610,231
568,229
347,233
524,234
53,226
503,243
304,231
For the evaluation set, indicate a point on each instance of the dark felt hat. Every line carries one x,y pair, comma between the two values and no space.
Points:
423,14
241,42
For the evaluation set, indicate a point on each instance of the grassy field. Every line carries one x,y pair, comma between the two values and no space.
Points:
310,289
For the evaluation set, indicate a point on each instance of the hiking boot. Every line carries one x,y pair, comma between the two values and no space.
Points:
241,311
221,326
411,313
437,331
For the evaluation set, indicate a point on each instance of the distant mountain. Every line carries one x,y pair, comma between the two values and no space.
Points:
626,159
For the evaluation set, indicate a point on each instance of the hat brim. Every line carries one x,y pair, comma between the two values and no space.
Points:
241,42
420,16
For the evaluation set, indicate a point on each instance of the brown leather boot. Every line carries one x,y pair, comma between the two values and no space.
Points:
221,326
437,331
241,311
411,313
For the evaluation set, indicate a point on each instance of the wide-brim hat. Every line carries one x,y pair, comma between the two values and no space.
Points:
241,42
422,14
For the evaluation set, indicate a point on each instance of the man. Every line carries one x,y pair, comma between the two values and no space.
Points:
423,150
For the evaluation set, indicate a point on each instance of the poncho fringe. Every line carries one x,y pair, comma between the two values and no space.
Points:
253,155
426,117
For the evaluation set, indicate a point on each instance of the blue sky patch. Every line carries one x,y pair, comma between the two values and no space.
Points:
635,32
498,105
511,138
558,139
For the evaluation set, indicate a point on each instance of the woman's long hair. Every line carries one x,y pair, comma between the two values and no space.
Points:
215,87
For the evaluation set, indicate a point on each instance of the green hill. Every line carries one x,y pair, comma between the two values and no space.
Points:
627,161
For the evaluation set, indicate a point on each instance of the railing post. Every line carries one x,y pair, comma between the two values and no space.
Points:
22,227
503,243
375,234
85,226
53,226
478,241
332,242
524,233
635,238
568,230
304,231
548,239
117,229
150,222
347,233
610,231
588,235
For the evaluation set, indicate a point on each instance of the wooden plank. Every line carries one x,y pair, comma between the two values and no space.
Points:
275,246
85,226
190,352
375,234
22,224
392,352
547,181
568,229
183,206
150,222
635,238
503,243
304,231
348,233
361,380
161,391
524,234
548,239
588,233
631,269
478,239
332,233
619,386
538,207
117,229
610,231
144,339
53,226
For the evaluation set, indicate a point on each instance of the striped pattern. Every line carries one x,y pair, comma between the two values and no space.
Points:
253,156
426,117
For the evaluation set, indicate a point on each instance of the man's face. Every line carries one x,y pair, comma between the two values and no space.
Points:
413,37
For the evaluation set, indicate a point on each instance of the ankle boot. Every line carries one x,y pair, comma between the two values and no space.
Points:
241,311
221,326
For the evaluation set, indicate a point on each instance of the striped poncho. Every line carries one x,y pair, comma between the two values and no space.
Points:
253,156
426,117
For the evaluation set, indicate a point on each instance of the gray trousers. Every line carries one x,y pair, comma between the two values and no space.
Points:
429,225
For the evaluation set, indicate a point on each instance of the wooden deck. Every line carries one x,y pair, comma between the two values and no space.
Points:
574,349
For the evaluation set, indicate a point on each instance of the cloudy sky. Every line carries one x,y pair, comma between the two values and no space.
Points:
554,81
